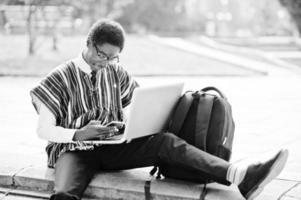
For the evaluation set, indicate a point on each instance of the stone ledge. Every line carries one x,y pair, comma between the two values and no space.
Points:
6,180
6,175
127,184
10,193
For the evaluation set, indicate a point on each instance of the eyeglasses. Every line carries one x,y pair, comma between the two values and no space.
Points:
102,56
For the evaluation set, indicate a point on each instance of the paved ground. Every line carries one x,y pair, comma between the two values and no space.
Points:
142,56
267,112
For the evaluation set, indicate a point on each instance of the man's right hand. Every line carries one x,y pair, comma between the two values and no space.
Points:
94,131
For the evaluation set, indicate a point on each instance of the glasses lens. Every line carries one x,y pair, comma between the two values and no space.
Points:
101,56
115,60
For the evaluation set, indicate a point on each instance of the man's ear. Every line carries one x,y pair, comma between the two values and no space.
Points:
88,42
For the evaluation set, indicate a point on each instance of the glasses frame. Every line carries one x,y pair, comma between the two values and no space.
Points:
103,56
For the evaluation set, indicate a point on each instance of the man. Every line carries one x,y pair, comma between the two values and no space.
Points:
78,98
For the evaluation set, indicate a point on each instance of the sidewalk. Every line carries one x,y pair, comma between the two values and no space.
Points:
260,62
266,109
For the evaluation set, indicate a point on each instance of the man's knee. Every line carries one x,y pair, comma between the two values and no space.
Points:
169,141
63,196
167,136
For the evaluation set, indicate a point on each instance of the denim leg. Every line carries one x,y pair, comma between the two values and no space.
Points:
162,148
73,173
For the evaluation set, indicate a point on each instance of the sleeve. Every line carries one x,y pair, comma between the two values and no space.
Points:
48,130
52,92
127,86
126,111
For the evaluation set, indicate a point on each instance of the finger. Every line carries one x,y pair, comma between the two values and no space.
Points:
107,130
117,124
107,133
97,126
113,129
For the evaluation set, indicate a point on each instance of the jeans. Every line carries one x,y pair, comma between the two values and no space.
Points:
74,170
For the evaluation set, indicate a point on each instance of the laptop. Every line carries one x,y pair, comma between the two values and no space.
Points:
149,112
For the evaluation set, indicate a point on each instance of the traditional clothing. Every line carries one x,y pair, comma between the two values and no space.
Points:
69,94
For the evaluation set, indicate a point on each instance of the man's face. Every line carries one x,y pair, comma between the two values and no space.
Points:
99,56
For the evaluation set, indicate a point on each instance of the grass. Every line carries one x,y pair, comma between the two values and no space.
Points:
141,57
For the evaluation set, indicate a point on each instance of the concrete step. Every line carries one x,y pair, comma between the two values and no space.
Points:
37,181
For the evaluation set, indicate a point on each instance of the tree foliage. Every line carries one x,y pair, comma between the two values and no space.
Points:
294,9
155,15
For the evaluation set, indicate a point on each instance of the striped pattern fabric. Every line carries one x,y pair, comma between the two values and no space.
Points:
70,95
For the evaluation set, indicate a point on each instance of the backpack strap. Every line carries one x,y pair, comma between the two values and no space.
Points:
203,119
147,188
212,88
204,192
179,115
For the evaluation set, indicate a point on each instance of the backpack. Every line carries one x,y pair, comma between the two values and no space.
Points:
205,121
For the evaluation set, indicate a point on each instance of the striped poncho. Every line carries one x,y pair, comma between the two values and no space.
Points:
68,93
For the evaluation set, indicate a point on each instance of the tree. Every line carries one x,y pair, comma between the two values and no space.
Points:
32,26
294,9
32,7
38,11
155,15
93,10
